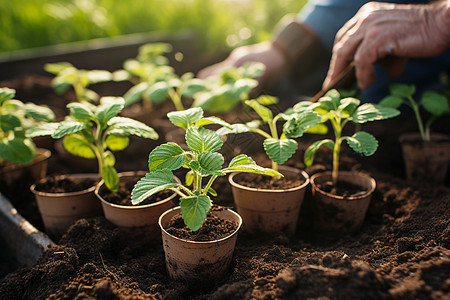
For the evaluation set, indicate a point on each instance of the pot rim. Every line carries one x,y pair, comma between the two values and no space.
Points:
200,242
414,137
373,185
295,170
77,175
133,207
43,153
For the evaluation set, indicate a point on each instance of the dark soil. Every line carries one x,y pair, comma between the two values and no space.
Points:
343,189
402,250
268,182
64,185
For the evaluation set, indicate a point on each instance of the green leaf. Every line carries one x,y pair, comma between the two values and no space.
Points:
311,151
117,143
152,183
108,158
318,129
99,76
280,151
189,178
121,126
193,86
134,94
264,113
186,118
252,168
6,94
297,125
41,129
166,156
363,142
56,68
435,103
79,146
109,175
371,112
194,210
252,69
40,113
18,150
81,111
158,91
235,129
208,163
266,100
391,101
348,105
109,107
402,90
241,159
212,120
9,122
202,139
67,127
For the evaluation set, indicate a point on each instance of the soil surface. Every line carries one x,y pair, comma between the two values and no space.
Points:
268,182
402,250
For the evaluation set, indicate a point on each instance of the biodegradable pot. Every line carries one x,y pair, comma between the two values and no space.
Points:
60,210
339,214
145,216
37,168
269,211
198,262
426,161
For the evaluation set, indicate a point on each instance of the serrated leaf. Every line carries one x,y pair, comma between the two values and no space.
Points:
67,127
297,125
391,101
371,112
109,175
186,118
166,156
9,122
41,129
194,210
202,139
79,146
363,142
235,129
241,159
152,183
121,126
18,150
208,163
280,151
81,111
264,113
212,120
402,90
311,151
6,94
348,105
117,143
435,103
39,112
109,107
253,168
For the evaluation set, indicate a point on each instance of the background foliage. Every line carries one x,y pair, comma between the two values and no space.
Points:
219,23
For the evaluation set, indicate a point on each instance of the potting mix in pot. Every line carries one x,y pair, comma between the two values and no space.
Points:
268,200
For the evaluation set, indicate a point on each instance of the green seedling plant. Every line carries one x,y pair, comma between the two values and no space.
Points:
16,118
68,76
94,132
340,111
202,160
279,147
438,105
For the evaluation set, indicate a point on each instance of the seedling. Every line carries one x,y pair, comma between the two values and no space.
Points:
279,147
94,131
68,76
436,104
340,112
16,118
202,160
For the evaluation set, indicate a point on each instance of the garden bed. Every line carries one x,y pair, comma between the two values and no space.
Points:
402,250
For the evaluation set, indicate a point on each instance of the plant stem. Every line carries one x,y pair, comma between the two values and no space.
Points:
176,99
415,108
336,150
209,184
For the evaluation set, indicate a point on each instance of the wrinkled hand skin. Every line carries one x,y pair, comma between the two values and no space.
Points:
271,57
389,33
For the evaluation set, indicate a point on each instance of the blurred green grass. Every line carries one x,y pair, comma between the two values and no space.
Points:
218,23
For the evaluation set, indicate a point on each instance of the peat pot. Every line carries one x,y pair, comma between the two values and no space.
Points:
60,210
198,262
37,168
426,161
341,214
269,211
129,216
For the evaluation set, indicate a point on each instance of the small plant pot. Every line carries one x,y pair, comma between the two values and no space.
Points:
60,210
198,262
80,163
426,161
339,214
145,216
37,168
269,211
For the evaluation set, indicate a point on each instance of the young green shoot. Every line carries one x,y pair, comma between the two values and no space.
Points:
16,118
340,112
94,132
202,160
435,103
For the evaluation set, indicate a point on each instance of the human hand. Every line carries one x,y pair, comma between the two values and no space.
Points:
271,57
389,34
